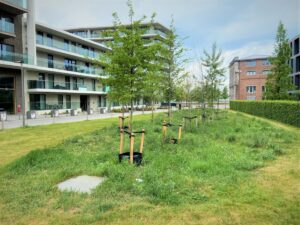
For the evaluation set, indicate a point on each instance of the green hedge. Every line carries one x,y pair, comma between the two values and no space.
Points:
283,111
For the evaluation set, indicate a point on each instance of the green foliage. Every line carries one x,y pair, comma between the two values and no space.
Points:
283,111
129,68
196,174
215,73
279,82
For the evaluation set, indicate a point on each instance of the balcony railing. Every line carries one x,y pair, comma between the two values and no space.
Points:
46,105
6,26
19,3
46,84
68,67
68,47
15,57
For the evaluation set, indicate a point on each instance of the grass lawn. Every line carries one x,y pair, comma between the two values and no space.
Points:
18,142
234,170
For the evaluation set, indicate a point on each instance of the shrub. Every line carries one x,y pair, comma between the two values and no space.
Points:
283,111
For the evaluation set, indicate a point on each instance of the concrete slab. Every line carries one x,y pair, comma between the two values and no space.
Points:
81,184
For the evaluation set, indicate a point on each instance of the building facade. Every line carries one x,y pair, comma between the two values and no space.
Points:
49,68
295,61
248,77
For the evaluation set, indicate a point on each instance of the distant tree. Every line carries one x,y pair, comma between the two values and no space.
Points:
173,53
215,73
279,82
225,94
129,65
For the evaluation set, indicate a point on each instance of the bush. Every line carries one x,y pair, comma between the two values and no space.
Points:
283,111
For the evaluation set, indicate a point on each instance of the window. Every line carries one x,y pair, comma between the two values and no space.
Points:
251,63
251,89
67,83
68,101
40,38
251,73
50,61
66,45
41,81
51,81
266,72
251,98
263,88
49,40
37,102
6,52
75,83
266,62
70,64
80,82
94,85
60,99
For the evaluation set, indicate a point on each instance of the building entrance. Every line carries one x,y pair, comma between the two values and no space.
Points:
7,94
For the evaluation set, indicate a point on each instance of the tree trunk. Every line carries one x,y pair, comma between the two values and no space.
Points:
131,115
152,109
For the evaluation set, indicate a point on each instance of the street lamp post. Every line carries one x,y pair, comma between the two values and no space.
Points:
23,92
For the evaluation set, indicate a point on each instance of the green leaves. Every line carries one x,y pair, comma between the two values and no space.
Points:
279,82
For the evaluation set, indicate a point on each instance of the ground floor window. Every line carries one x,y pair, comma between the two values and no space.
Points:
68,101
102,101
7,94
60,99
37,102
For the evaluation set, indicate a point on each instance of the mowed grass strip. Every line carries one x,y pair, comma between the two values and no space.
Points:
18,142
221,173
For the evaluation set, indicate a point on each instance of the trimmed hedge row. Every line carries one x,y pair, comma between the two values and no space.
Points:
283,111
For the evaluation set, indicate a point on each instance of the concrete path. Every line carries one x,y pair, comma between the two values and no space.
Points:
14,121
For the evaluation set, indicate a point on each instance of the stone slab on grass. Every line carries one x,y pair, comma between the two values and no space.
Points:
81,184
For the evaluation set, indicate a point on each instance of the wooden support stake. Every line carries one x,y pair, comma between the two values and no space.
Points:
179,133
121,141
142,141
164,130
131,147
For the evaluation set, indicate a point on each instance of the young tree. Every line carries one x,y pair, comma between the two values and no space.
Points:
173,54
129,63
225,94
279,82
215,73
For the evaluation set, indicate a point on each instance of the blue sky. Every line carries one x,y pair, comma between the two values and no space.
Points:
239,27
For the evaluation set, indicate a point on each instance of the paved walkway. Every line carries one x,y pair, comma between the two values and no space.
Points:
14,121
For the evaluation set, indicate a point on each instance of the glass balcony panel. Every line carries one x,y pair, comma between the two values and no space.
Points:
48,84
49,105
6,26
19,3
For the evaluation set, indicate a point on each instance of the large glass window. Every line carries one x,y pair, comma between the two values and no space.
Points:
40,38
50,61
68,101
37,102
60,99
75,83
6,52
266,62
41,81
7,94
67,83
70,64
50,81
50,40
66,45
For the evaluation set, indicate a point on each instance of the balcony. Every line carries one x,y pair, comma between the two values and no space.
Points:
69,67
49,105
67,87
15,57
16,7
68,48
7,29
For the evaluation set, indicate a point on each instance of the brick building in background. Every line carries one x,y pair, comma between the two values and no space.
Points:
248,77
